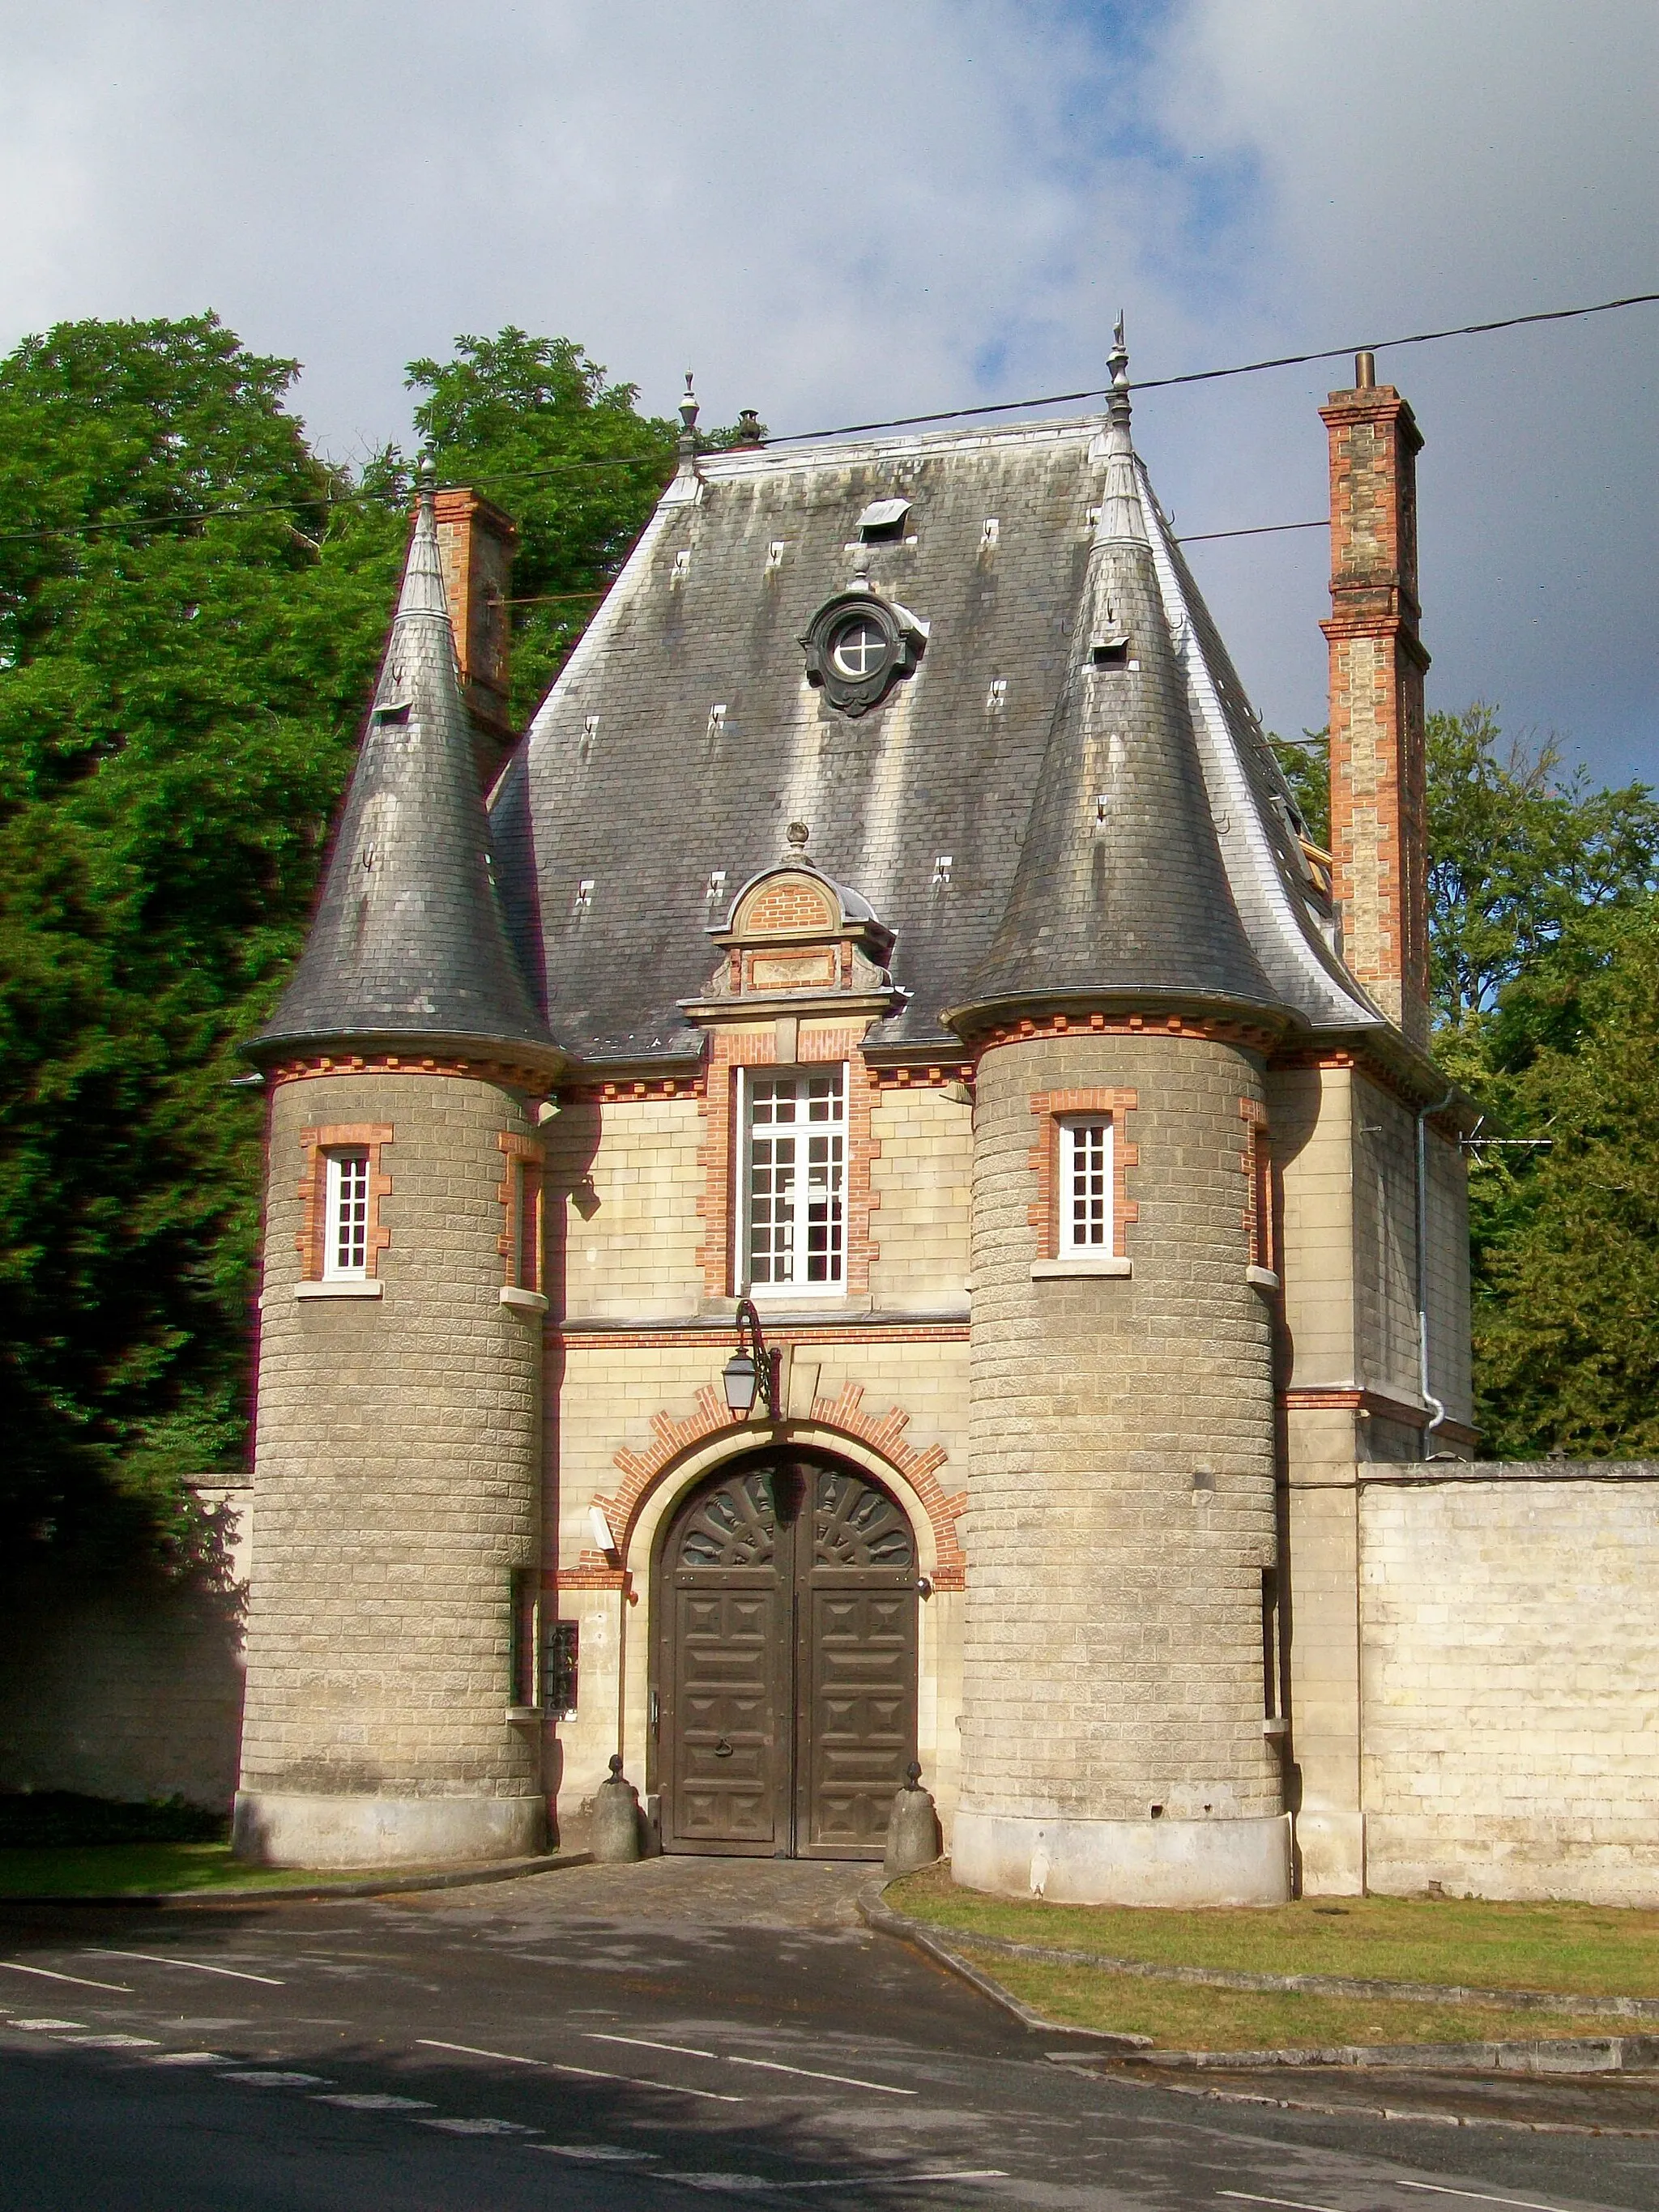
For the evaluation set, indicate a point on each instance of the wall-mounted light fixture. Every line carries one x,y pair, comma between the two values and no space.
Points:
752,1370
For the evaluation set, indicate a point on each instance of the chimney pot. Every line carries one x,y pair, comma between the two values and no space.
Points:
1364,372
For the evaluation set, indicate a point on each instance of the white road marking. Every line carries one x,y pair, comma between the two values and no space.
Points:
35,2024
727,2183
370,2102
644,2043
1296,2203
887,2180
16,1967
759,2183
1435,2189
596,2153
112,2042
811,2072
479,2127
190,2059
196,1965
275,2078
588,2073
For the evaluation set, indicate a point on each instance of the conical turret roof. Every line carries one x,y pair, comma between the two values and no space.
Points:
1121,892
408,946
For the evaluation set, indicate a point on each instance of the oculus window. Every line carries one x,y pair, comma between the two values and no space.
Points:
857,647
794,1126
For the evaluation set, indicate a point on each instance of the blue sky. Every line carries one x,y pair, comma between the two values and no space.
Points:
838,213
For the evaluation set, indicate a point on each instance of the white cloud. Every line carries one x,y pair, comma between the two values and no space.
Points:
837,213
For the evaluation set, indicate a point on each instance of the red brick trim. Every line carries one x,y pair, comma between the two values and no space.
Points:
627,1090
837,1332
731,1049
1256,1160
920,1078
533,1080
339,1136
521,1191
1320,1399
1044,1213
1205,1029
674,1436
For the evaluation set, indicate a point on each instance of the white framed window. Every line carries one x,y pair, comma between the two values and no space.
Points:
795,1179
1085,1186
345,1217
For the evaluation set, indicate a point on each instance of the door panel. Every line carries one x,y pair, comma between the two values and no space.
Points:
786,1658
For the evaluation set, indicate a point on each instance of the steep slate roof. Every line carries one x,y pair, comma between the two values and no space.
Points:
631,783
408,945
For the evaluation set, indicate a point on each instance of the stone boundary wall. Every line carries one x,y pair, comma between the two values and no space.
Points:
1509,1624
129,1685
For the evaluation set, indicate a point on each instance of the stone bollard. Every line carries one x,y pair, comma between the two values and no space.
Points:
615,1819
913,1837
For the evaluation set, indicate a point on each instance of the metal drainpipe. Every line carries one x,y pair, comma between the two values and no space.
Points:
1429,1399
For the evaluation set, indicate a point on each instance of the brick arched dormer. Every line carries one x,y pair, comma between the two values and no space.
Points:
674,1437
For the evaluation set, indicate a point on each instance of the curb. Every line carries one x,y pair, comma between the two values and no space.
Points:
464,1877
1327,1985
1098,2041
1612,2054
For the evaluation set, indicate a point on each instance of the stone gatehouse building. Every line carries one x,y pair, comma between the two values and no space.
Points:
894,916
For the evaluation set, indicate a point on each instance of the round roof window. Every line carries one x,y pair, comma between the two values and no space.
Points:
857,647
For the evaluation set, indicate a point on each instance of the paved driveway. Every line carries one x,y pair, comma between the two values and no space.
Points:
654,2036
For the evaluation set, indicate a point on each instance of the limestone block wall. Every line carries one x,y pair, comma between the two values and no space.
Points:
1385,1242
1123,1505
397,1458
1509,1638
124,1686
624,1180
1310,1116
921,1181
1451,1353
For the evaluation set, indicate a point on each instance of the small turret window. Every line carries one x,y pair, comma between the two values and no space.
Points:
520,1241
1085,1214
345,1253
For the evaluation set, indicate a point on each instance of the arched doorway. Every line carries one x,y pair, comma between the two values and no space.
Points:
785,1697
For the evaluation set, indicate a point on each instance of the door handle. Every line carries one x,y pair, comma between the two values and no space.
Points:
722,1749
656,1712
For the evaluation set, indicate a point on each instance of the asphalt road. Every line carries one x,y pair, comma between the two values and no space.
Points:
653,2037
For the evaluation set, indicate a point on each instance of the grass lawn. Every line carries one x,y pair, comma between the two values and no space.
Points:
1575,1949
1180,2017
128,1870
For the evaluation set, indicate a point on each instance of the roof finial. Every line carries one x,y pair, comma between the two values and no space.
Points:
426,477
1117,404
797,834
689,411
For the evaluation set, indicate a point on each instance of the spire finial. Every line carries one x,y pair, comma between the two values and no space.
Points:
425,478
689,411
1117,405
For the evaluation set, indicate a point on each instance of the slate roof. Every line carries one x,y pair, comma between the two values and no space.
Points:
407,945
633,785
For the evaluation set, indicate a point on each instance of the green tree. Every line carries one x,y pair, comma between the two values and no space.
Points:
178,703
1567,1239
533,423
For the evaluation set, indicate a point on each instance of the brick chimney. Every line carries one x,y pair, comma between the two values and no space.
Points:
475,543
1379,837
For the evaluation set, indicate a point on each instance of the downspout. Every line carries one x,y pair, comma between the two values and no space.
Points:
1428,1397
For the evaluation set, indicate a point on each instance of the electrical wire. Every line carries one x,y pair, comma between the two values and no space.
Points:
239,512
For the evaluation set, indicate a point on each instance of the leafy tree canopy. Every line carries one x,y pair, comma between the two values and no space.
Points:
192,604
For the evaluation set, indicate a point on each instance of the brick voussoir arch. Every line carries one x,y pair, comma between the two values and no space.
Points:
674,1436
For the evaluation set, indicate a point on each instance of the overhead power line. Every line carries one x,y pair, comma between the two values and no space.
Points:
235,511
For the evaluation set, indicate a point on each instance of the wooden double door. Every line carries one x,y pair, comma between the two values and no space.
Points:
784,1699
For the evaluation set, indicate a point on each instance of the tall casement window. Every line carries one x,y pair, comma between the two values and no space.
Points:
341,1235
794,1127
521,1227
1086,1185
1262,1267
345,1217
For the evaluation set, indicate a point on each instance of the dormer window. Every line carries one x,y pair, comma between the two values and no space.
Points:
882,523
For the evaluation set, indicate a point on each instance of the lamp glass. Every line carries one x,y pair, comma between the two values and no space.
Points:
739,1379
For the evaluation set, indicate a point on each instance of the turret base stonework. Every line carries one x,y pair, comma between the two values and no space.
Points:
1164,1862
278,1829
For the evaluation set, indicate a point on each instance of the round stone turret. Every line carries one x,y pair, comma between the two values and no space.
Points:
392,1709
